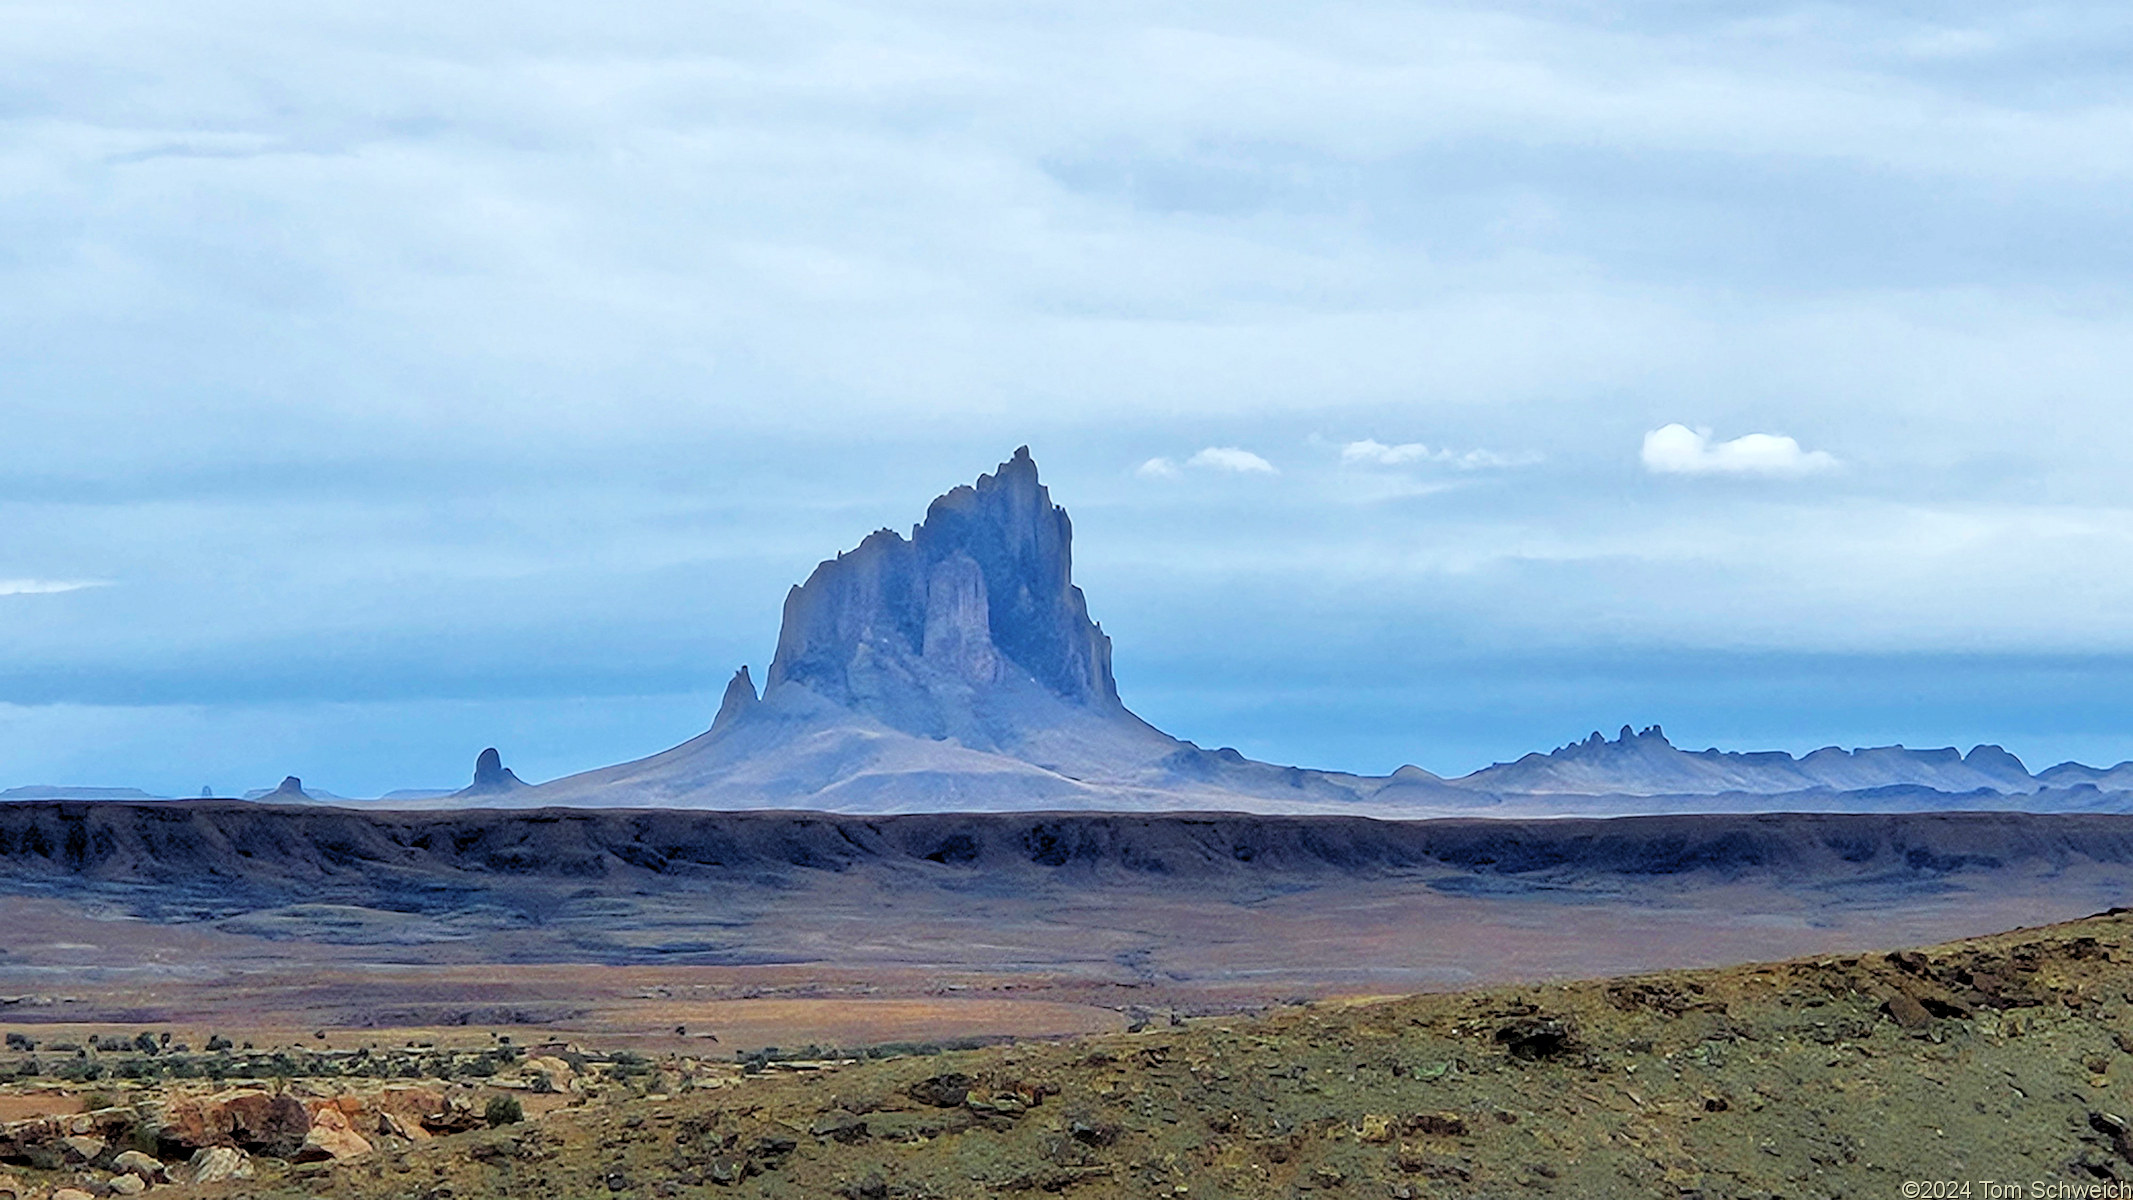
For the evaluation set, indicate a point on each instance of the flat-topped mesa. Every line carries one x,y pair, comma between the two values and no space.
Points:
979,597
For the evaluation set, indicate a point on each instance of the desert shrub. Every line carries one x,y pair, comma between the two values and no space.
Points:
503,1110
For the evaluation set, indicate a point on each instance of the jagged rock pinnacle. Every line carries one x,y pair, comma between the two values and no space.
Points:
981,594
491,775
739,698
291,788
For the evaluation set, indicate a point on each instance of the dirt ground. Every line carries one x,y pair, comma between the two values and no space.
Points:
2001,1059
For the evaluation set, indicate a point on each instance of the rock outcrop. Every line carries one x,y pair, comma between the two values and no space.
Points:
491,776
254,1121
958,668
1644,763
291,791
740,697
908,631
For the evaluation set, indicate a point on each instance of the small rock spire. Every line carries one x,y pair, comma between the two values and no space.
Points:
739,698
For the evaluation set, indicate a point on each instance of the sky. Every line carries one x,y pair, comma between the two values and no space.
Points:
1427,382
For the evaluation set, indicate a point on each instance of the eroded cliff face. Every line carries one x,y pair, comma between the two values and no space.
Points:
976,605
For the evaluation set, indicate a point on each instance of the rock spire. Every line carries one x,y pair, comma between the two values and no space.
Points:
980,596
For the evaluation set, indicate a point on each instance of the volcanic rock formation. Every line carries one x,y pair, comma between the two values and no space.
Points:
958,668
911,632
491,776
1645,763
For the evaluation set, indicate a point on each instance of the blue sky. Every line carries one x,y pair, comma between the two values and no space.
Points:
1428,382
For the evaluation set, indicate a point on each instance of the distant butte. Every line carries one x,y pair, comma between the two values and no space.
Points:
491,776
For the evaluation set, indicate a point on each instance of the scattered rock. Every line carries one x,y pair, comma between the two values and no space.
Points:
840,1126
251,1120
1534,1038
216,1164
72,1194
942,1091
128,1185
82,1148
1437,1124
1092,1135
136,1163
330,1137
1905,1010
2114,1128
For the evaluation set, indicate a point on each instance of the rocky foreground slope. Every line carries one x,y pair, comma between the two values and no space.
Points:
2006,1059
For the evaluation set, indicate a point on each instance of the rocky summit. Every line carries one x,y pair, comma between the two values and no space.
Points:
913,632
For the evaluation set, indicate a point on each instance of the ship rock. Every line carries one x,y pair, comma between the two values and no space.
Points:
958,668
954,668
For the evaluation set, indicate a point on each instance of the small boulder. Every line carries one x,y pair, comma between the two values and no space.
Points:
1905,1010
840,1126
1534,1038
331,1137
942,1091
217,1164
133,1162
127,1185
82,1148
1437,1124
72,1194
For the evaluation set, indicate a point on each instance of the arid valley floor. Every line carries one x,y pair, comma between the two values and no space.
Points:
1091,1004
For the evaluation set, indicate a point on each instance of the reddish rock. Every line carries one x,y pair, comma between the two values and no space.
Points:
251,1120
330,1137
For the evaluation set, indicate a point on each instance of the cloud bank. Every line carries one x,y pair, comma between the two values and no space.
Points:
1375,453
1231,459
496,368
1227,459
1678,450
44,587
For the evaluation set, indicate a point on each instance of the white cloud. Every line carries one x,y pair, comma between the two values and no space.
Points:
1376,453
1370,451
1157,468
1230,458
44,587
1679,450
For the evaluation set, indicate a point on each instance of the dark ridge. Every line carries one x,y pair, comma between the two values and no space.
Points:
240,849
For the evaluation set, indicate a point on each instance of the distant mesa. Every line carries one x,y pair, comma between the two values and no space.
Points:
291,791
45,791
491,776
1644,763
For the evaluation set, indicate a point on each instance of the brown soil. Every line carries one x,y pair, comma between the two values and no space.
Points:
2005,1058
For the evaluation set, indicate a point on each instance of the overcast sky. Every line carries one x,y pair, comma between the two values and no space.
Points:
1428,382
